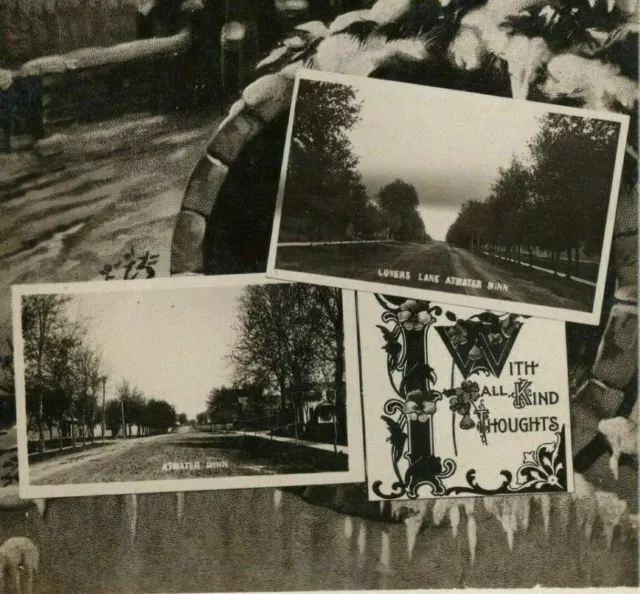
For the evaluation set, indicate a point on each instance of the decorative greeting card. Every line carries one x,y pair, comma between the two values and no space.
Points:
462,402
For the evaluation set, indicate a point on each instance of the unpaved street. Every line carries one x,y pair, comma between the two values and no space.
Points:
368,260
179,455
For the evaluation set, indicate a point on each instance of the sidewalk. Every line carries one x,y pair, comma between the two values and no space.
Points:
79,447
312,243
327,447
575,278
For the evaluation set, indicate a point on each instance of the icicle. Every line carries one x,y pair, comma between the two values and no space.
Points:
348,527
362,538
277,499
396,509
507,525
513,514
545,505
586,514
563,507
131,502
384,563
440,508
41,505
586,505
610,511
412,526
472,537
524,512
454,516
469,504
179,506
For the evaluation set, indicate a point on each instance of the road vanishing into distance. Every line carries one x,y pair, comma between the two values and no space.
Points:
187,453
427,261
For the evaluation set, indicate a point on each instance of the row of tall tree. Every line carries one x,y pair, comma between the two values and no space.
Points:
148,415
65,381
554,199
325,195
288,336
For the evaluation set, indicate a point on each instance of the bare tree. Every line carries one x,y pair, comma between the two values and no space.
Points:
283,340
42,317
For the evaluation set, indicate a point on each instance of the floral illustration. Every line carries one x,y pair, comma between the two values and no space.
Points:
543,469
460,402
419,406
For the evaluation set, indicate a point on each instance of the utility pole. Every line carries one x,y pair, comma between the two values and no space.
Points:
335,427
124,427
104,389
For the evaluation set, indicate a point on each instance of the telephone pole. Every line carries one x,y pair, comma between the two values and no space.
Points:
104,389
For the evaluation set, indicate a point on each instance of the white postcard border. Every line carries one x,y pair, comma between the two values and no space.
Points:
355,436
568,315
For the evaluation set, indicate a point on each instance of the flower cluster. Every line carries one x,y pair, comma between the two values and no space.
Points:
414,315
460,402
418,406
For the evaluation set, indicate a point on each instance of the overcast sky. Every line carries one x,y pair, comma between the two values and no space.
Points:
448,145
170,343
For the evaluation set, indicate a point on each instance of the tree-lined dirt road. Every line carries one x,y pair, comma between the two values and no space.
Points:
186,453
427,261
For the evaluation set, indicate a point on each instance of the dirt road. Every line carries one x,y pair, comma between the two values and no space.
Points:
183,454
426,261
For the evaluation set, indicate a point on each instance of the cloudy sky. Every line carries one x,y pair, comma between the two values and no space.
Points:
448,144
170,343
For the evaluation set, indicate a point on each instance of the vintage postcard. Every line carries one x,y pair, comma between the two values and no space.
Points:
139,141
462,402
184,385
469,199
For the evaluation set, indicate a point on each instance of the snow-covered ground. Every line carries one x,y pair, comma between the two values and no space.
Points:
100,191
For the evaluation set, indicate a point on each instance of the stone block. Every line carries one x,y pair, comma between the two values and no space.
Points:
188,243
584,425
269,96
625,259
617,357
627,209
204,186
603,400
628,293
232,136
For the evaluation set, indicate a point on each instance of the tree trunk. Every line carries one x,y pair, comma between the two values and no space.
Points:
531,256
577,269
295,422
568,262
60,423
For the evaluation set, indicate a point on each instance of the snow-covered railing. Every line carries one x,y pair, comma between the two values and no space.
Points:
100,56
87,82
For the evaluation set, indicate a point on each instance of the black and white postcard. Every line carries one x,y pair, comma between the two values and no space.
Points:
461,402
185,385
440,194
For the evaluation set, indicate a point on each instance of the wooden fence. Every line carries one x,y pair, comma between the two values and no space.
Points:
94,83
